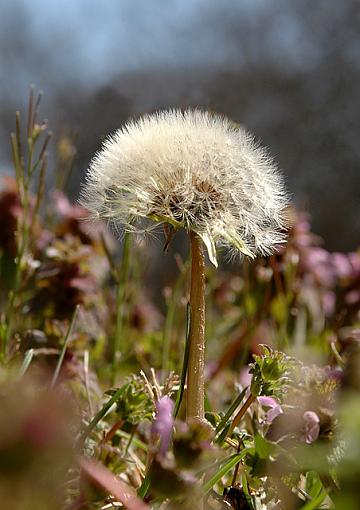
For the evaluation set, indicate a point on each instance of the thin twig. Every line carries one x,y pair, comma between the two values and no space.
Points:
30,112
251,398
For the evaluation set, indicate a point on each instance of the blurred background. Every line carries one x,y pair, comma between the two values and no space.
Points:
288,70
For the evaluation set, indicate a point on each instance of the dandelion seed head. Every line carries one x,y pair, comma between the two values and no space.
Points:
193,170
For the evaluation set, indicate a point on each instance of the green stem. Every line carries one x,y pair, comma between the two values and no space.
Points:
23,172
64,347
234,405
22,247
98,417
23,241
120,308
251,398
195,377
169,320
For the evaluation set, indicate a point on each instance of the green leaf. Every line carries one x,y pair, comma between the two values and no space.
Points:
143,489
98,417
245,487
210,246
234,405
134,405
314,503
225,469
263,447
166,219
233,238
313,485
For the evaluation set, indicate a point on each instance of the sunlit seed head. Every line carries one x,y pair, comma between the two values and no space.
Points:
193,170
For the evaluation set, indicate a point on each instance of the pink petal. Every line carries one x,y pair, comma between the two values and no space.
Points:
312,427
275,407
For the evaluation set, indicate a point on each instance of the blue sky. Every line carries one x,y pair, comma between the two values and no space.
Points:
52,42
91,40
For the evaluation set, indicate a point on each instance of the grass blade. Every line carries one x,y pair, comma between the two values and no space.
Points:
142,491
64,347
234,405
99,416
314,503
225,469
185,364
26,362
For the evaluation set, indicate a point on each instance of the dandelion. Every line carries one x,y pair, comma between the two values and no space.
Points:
193,170
196,171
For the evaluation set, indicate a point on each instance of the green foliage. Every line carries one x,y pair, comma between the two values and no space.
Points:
133,404
303,303
272,373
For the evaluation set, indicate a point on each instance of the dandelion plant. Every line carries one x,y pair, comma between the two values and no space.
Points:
195,171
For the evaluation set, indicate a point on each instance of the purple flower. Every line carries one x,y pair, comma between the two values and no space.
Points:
342,265
163,423
274,408
335,374
302,231
354,258
312,427
352,297
319,262
245,377
328,300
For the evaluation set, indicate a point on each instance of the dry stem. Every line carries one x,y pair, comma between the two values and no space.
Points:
195,377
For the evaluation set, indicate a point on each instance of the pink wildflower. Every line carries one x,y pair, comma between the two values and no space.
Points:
312,427
274,408
163,423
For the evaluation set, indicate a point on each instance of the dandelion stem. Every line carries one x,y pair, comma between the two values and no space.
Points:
195,376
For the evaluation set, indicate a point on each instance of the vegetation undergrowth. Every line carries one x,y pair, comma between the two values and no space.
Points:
93,369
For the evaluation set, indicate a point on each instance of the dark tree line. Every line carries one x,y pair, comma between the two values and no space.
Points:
291,75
